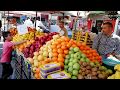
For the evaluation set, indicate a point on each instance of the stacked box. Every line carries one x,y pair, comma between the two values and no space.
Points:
49,68
59,75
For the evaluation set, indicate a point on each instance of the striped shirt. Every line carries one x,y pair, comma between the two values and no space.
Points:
106,44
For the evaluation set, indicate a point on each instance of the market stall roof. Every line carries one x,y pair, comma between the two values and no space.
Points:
94,13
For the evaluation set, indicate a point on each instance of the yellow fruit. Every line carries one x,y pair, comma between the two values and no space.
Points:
117,67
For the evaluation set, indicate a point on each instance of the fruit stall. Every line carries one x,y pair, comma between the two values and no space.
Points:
51,56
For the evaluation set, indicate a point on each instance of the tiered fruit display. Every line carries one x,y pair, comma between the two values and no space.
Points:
90,70
72,65
34,47
56,50
117,73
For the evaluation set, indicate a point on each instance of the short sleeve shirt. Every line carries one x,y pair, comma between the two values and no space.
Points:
7,52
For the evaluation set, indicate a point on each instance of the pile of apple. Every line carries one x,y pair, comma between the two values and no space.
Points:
39,41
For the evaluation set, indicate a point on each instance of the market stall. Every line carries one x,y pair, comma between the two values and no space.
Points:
51,56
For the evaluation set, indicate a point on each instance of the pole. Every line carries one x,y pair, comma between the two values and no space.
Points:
4,20
8,21
35,19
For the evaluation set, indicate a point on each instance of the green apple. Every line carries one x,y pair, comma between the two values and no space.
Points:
70,64
76,66
75,72
82,59
73,77
70,69
66,67
75,55
76,49
71,52
67,56
75,61
71,59
72,55
71,48
83,55
66,61
87,60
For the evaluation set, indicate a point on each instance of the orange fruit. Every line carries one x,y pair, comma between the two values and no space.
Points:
60,51
43,62
83,44
63,47
60,55
59,41
54,50
78,44
55,54
81,48
68,45
66,51
53,46
54,59
67,39
56,42
61,64
74,45
61,59
37,70
59,45
37,76
94,54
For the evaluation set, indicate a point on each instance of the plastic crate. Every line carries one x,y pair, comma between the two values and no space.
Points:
110,62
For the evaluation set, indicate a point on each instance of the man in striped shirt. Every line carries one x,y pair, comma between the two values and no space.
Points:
106,43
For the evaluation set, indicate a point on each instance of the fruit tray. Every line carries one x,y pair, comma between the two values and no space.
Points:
110,62
50,67
59,75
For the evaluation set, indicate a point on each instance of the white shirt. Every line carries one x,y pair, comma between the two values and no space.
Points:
39,23
28,23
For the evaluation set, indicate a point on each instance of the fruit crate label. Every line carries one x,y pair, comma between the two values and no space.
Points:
50,66
58,76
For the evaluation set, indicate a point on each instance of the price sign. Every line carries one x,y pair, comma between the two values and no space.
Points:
22,29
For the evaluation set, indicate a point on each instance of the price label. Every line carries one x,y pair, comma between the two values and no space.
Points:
22,29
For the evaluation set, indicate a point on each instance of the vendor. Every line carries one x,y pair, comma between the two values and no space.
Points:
106,43
63,31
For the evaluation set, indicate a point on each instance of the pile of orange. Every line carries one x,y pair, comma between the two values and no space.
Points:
13,31
60,49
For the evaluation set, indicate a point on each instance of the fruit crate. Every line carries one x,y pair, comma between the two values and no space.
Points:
79,36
